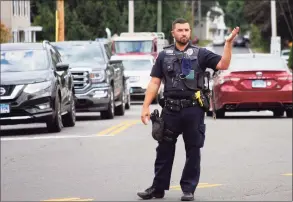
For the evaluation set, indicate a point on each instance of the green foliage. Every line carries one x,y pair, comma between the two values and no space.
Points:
290,62
88,19
256,40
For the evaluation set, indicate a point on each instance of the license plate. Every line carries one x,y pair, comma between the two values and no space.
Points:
259,84
4,109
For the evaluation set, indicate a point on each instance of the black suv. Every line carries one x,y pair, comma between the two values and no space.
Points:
99,83
35,86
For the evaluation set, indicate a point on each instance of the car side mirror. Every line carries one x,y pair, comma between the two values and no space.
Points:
62,66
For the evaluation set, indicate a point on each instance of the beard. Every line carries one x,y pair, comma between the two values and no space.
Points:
182,41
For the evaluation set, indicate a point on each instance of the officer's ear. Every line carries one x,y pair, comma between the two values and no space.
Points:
172,32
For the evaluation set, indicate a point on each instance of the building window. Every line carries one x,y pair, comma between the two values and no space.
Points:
26,8
14,7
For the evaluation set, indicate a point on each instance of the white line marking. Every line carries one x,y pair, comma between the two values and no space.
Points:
48,137
250,51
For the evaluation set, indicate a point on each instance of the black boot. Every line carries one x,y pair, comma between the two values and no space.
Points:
187,196
150,193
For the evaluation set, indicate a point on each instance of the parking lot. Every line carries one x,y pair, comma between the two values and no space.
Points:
247,156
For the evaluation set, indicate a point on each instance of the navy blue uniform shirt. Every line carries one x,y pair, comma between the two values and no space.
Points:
206,59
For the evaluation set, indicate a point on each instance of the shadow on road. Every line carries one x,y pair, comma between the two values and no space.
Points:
87,118
23,131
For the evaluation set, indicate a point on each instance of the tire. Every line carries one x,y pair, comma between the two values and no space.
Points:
109,113
54,125
278,113
289,113
220,113
69,119
120,110
128,103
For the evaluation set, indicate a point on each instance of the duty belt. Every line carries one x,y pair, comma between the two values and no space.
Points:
178,104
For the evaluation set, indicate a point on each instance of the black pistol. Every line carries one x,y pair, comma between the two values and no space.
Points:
157,125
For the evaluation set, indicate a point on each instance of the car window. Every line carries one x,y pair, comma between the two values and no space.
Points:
89,53
23,60
138,65
257,64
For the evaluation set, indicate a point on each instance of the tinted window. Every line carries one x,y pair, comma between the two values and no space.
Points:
23,60
133,46
257,63
137,64
90,53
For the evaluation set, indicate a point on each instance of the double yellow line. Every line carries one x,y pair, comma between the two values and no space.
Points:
200,185
114,130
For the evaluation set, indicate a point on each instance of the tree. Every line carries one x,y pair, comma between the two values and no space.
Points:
5,34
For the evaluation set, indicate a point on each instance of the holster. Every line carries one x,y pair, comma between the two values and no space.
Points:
157,125
203,99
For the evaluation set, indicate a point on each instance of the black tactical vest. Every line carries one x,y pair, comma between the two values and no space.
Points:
174,83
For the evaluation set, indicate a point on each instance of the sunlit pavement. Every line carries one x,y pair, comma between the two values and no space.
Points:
247,156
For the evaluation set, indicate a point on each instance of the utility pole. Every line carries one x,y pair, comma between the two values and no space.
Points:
192,19
130,16
159,16
273,18
275,40
199,18
60,25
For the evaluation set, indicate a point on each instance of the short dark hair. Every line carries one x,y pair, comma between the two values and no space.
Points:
180,21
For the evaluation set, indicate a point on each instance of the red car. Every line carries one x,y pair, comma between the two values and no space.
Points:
253,82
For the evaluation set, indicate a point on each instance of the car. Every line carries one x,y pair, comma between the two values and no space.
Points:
138,69
253,82
285,55
98,82
240,41
36,86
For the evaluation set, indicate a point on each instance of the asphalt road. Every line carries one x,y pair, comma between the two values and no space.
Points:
247,156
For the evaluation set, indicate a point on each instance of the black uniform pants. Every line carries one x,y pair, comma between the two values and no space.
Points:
190,123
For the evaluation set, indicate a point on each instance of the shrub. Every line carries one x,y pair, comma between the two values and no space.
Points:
5,34
290,62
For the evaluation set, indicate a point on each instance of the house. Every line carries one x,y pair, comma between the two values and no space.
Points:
15,15
212,26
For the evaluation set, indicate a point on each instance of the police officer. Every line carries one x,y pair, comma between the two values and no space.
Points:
181,114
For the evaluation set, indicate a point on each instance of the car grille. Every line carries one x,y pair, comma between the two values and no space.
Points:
8,89
80,79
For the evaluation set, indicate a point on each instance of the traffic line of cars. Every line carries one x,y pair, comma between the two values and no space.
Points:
49,82
253,82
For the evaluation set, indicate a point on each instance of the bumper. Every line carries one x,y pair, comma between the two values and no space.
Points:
28,111
246,101
96,99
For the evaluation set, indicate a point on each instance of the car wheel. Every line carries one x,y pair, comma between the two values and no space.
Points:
69,119
54,125
278,113
109,113
120,110
128,103
220,113
289,113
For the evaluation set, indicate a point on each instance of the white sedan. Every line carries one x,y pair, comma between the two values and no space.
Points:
138,68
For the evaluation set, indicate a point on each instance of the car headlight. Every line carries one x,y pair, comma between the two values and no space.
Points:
97,76
37,87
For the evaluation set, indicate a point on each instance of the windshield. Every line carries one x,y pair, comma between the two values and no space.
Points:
89,53
140,65
285,53
133,46
258,64
23,60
